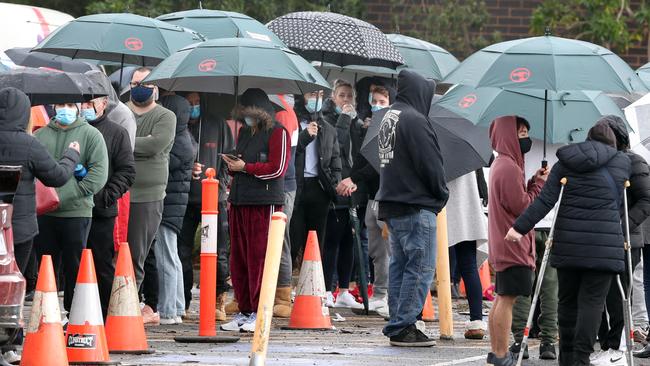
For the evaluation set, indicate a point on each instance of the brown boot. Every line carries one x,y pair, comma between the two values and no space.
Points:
221,306
282,308
232,307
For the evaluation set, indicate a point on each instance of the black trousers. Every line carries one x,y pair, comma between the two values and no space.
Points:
582,297
186,237
23,252
101,241
149,288
63,237
309,213
338,251
609,334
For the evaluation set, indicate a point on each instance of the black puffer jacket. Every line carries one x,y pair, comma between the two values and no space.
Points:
121,165
350,136
19,148
588,232
329,167
181,158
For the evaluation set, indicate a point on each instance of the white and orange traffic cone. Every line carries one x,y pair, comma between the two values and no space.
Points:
309,309
44,343
124,324
428,312
86,337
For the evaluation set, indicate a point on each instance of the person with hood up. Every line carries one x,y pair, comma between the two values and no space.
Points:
121,175
612,324
171,297
509,195
338,249
65,231
412,191
258,165
588,249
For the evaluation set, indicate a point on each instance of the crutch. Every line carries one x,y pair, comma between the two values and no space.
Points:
540,277
626,294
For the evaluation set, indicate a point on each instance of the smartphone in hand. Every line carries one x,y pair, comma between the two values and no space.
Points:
230,156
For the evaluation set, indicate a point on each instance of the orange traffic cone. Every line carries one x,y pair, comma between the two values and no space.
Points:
85,338
428,312
44,344
484,275
309,310
124,325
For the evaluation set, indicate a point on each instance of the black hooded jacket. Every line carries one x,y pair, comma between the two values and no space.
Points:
181,159
19,148
412,175
121,165
588,233
329,160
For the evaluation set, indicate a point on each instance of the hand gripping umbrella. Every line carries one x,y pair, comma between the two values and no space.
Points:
548,64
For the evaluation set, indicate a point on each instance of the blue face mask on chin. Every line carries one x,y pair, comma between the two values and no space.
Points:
195,112
250,121
314,105
141,94
89,114
66,116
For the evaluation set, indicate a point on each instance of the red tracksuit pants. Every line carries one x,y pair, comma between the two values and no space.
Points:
249,231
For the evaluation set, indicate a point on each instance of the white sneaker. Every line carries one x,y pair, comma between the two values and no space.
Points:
380,306
237,321
249,325
167,321
611,358
329,300
11,357
596,355
178,319
346,300
421,326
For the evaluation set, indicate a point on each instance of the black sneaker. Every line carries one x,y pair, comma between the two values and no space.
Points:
29,297
643,353
516,347
546,351
508,360
411,337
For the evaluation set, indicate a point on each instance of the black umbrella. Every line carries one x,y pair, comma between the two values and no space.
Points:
21,56
51,87
336,39
464,146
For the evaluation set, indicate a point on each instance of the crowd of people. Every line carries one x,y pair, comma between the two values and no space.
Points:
132,172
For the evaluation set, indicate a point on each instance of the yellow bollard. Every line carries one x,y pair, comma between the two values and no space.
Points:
443,283
267,294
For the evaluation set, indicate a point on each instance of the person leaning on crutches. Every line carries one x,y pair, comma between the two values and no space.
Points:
588,244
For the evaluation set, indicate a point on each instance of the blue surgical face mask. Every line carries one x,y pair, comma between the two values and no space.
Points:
338,110
141,94
195,112
66,116
89,114
250,121
376,107
314,105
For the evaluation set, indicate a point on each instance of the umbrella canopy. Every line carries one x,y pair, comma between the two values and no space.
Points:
571,113
547,62
232,65
464,147
427,59
23,57
644,74
119,38
221,24
336,39
51,87
352,73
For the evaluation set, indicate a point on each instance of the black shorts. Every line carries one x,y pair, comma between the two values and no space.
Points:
515,281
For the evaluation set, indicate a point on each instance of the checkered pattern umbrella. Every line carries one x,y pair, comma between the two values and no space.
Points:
336,39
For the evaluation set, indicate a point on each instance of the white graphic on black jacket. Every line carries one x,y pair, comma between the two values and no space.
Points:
386,136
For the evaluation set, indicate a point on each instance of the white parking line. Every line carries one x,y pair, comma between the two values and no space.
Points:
461,361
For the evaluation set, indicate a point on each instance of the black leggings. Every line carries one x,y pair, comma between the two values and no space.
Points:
338,251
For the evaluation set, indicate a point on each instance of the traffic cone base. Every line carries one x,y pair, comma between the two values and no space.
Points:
124,324
44,343
309,310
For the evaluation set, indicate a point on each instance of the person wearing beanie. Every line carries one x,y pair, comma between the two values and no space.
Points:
638,194
257,166
587,249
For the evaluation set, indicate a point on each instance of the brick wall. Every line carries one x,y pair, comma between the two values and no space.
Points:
509,17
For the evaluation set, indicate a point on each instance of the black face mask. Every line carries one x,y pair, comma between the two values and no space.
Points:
525,143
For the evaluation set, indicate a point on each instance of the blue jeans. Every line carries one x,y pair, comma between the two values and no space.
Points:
412,265
171,296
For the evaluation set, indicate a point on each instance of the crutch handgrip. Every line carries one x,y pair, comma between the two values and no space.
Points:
627,184
563,181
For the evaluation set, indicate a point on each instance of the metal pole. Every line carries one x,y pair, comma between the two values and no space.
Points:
627,293
544,161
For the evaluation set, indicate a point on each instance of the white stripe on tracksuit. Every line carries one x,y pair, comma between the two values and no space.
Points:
283,161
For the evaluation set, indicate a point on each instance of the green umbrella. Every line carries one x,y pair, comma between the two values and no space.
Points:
232,65
427,59
644,74
221,24
119,38
571,113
